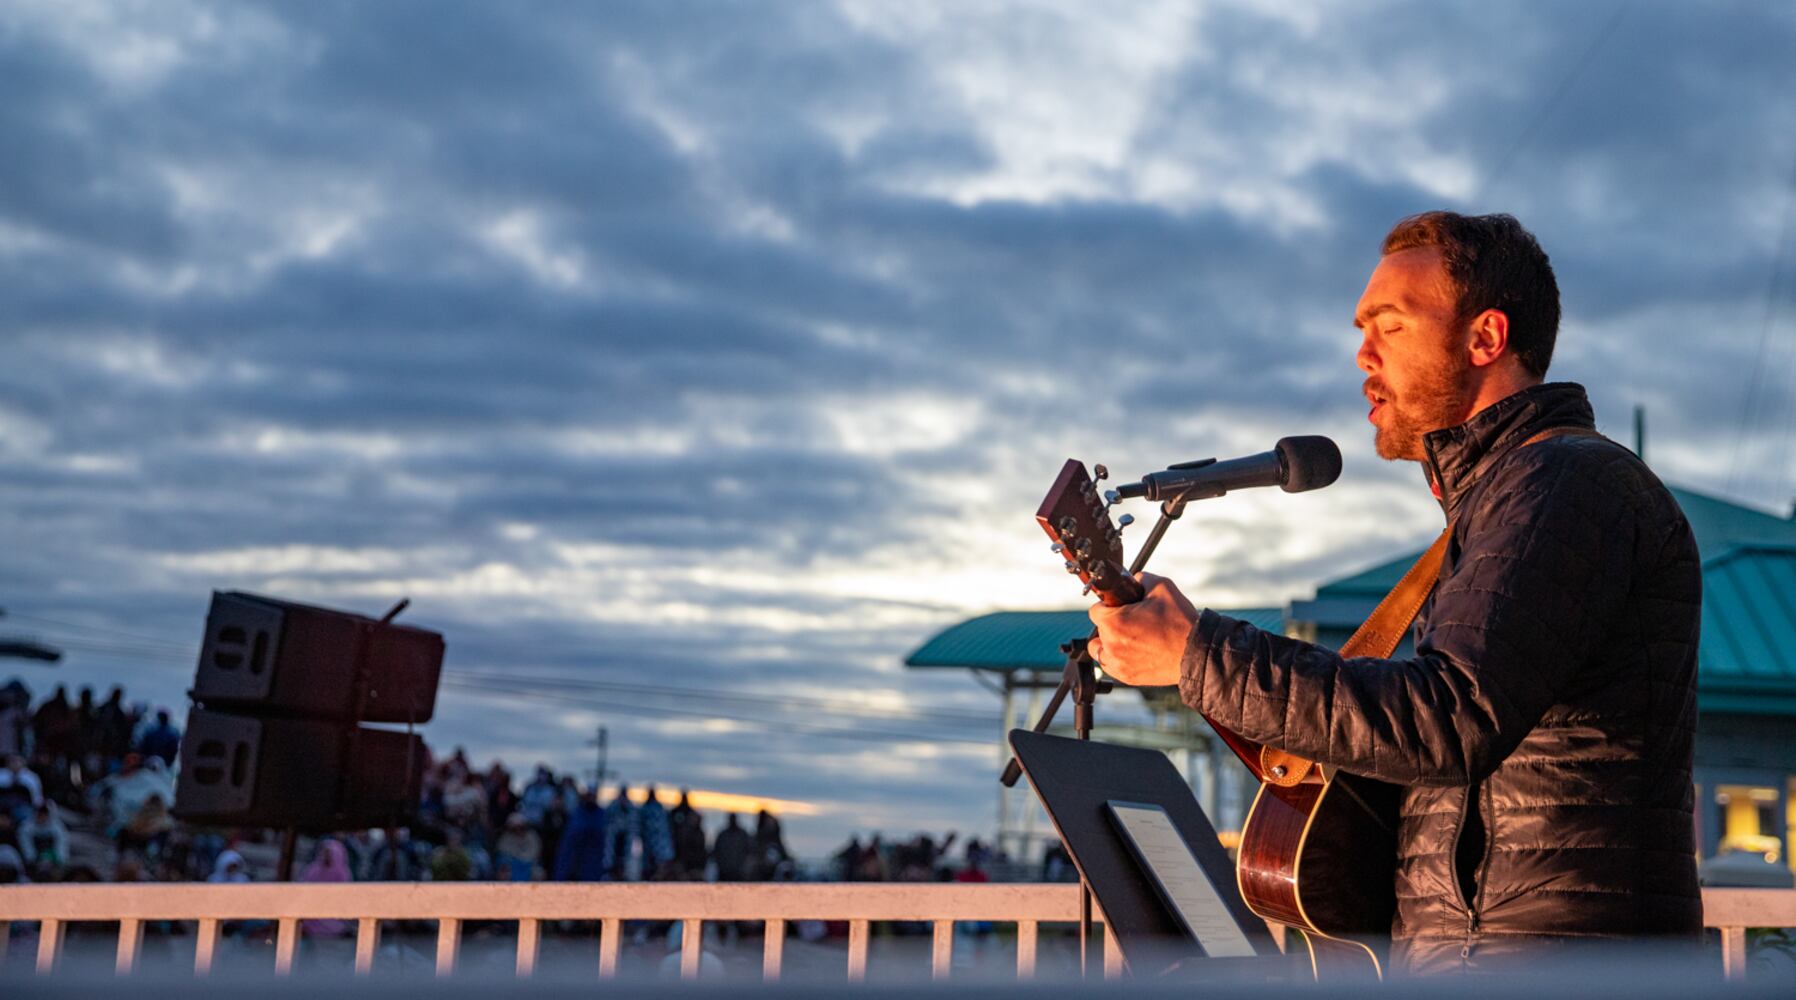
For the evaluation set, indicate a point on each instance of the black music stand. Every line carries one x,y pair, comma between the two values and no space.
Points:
1075,779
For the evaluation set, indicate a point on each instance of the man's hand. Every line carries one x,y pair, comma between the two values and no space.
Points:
1141,644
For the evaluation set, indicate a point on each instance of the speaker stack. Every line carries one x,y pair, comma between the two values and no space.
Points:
276,735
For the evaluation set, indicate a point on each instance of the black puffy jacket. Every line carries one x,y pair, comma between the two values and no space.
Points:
1544,730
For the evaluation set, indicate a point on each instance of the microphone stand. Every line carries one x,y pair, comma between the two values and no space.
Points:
1079,678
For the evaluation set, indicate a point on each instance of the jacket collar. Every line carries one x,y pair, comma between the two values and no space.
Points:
1457,457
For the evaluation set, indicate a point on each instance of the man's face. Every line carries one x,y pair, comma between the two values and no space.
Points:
1413,352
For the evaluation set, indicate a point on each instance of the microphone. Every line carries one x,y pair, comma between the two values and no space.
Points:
1296,465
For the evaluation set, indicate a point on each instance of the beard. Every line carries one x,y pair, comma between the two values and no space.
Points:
1437,398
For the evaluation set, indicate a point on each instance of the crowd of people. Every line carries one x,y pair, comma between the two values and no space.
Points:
106,767
920,859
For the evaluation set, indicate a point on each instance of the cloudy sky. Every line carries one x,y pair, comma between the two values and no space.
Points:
691,363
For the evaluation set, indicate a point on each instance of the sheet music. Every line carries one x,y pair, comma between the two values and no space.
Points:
1184,881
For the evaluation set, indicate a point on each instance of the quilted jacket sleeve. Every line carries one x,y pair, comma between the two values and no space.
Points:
1542,572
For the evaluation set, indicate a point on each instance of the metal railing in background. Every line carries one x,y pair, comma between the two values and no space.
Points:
53,907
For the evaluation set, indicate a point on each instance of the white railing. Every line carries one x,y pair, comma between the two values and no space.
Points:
53,907
528,905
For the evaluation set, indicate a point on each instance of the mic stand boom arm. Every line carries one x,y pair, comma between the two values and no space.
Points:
1169,512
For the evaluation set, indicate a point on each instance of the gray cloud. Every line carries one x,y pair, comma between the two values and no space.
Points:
731,346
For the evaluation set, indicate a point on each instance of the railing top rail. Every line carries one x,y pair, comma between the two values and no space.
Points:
643,901
1749,907
544,900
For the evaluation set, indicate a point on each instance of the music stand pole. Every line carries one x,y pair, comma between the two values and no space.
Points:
1079,679
1082,682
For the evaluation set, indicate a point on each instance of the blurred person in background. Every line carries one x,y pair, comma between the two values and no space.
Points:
161,739
583,848
44,841
20,789
519,851
329,864
733,852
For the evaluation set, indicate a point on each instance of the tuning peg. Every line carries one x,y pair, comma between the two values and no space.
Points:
1072,567
1125,520
1100,473
1086,592
1112,498
1056,548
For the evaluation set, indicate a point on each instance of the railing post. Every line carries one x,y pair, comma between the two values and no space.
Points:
1025,948
941,958
49,943
773,949
857,950
286,945
448,945
130,942
610,930
529,945
1733,953
367,942
692,947
205,946
1113,959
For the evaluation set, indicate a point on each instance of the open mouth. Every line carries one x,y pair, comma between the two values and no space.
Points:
1377,402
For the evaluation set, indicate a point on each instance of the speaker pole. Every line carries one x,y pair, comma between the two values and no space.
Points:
283,869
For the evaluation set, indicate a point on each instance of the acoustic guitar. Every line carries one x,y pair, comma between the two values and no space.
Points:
1318,851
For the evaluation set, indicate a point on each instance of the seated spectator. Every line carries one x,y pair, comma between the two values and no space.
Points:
330,864
398,858
229,868
44,839
121,796
451,862
538,796
148,830
20,789
12,867
518,851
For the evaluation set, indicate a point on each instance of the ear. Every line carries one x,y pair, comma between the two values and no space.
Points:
1488,338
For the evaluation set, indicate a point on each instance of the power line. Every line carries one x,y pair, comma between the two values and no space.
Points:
140,637
166,651
1750,407
1552,102
778,701
783,725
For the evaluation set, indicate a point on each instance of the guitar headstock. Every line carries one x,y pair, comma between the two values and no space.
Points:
1076,518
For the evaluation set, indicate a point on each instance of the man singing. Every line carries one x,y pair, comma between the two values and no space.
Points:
1543,732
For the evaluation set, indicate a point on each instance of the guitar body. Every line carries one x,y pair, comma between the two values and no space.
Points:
1319,857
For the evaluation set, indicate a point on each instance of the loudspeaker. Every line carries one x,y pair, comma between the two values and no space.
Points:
270,656
242,770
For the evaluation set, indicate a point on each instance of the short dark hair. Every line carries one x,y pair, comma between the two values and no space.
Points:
1494,264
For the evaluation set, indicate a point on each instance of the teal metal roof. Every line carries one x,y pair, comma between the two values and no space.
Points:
1719,525
1749,618
1030,640
1747,659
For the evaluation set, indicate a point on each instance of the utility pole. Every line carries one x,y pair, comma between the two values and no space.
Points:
598,774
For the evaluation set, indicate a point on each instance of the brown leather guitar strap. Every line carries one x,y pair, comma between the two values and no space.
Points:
1383,630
